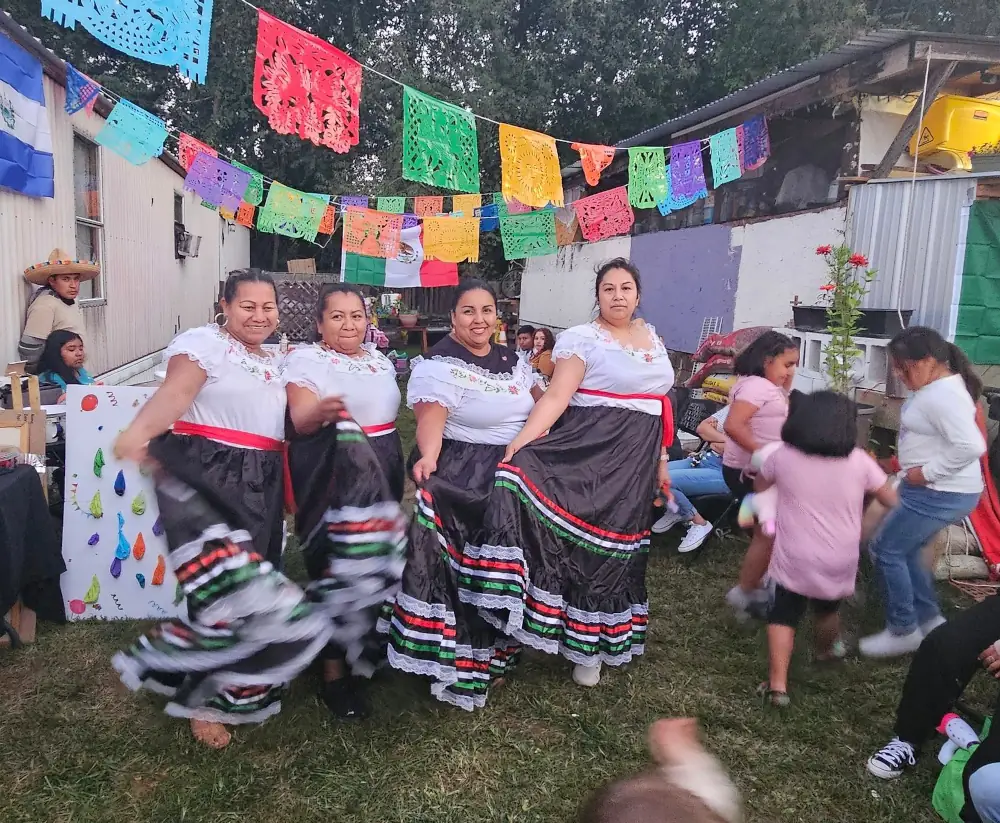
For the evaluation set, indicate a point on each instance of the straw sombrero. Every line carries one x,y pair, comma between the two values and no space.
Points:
60,263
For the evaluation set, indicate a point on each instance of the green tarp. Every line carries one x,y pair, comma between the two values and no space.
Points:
978,329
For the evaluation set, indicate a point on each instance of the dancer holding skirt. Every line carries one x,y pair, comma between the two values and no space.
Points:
341,365
562,564
219,487
470,398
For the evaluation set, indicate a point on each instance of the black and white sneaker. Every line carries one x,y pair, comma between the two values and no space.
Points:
892,759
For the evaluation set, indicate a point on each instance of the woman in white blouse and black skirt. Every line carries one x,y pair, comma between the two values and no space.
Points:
342,365
562,564
214,431
470,398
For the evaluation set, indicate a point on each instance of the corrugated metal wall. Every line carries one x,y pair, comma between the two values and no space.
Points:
912,234
149,294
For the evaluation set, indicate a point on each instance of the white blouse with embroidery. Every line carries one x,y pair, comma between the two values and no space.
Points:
243,391
483,407
617,369
366,383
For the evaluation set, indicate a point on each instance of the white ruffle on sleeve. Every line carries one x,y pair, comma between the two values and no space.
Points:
427,386
303,367
577,341
203,345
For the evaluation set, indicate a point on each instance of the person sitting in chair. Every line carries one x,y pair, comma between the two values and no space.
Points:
695,476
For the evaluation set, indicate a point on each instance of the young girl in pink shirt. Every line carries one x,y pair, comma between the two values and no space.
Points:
758,406
822,480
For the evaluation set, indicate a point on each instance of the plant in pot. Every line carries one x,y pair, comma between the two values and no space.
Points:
408,318
849,279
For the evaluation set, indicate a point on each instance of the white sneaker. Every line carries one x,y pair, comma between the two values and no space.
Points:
892,759
696,535
887,644
928,626
666,523
588,676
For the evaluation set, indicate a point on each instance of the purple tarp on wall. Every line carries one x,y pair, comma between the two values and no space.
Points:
688,275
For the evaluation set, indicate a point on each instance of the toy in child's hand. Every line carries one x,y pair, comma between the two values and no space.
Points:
760,507
666,500
960,736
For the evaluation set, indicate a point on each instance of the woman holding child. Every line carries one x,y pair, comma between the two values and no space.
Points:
562,564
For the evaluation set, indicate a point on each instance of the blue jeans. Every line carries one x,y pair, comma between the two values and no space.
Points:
984,789
695,481
908,587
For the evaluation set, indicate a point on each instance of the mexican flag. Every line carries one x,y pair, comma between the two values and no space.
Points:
407,270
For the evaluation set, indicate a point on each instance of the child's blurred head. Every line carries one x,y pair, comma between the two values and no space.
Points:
687,786
772,356
63,353
823,423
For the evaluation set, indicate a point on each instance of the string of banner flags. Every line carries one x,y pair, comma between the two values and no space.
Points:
308,87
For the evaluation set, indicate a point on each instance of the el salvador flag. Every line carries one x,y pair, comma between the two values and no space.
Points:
25,139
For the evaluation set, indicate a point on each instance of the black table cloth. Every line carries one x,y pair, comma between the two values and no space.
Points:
30,553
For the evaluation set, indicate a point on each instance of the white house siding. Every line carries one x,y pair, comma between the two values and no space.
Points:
779,262
149,295
557,290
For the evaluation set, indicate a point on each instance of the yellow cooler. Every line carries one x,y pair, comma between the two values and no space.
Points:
953,126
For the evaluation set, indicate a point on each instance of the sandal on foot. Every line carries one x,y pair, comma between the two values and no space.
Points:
213,735
345,698
779,700
836,653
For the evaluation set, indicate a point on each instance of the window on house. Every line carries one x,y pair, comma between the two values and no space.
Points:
88,212
178,207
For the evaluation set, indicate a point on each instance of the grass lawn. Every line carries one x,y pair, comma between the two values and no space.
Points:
75,746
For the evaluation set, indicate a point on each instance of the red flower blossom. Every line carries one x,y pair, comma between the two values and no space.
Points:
827,287
858,260
821,250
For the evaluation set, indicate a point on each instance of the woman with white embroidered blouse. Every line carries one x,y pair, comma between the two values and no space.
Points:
470,398
214,431
343,366
562,564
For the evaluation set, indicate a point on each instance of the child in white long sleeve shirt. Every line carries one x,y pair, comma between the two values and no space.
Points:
938,450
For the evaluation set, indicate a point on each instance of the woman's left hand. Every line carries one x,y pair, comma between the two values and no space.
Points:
915,476
664,477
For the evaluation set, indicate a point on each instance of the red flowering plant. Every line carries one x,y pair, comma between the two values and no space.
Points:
849,279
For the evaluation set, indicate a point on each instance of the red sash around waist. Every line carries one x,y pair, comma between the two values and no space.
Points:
381,428
243,440
666,410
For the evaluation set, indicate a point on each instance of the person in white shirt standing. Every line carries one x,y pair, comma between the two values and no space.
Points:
938,451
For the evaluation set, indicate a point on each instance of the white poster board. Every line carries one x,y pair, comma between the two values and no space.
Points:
112,571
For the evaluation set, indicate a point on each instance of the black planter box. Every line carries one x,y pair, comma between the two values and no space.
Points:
873,322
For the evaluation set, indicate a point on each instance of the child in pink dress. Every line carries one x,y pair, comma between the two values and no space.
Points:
821,480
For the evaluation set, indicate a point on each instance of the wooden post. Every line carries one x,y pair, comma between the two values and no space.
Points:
935,83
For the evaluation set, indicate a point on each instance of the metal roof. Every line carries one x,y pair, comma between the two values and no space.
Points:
864,46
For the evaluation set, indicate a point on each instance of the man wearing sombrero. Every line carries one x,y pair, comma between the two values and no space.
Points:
54,307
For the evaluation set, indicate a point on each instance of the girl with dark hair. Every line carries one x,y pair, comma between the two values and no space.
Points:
62,360
343,368
215,431
758,406
470,398
938,451
821,480
541,355
562,564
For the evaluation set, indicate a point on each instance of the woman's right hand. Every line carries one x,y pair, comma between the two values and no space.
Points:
328,410
130,446
423,469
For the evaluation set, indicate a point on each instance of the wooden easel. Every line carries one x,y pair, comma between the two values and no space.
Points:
29,437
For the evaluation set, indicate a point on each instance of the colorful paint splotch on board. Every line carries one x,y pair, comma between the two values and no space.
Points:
141,580
139,504
158,528
120,484
93,592
116,567
159,571
95,538
139,547
77,606
98,462
178,595
89,403
96,509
